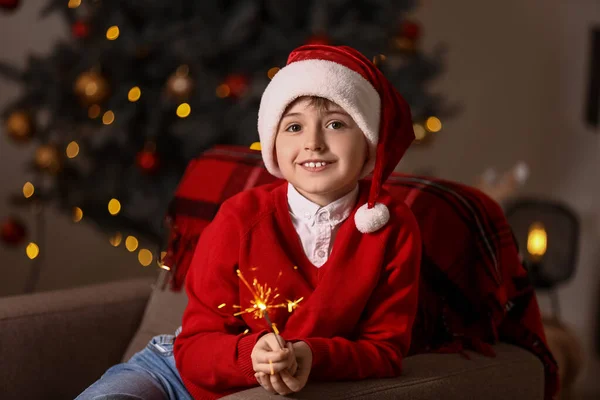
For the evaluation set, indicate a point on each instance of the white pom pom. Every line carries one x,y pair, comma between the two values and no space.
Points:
369,220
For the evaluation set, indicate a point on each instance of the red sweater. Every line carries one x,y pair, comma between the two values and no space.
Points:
358,308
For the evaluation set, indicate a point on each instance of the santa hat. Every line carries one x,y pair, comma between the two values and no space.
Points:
344,76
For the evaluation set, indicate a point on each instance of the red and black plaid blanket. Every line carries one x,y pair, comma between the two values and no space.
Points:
473,290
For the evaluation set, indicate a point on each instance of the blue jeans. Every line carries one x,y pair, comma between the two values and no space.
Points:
149,375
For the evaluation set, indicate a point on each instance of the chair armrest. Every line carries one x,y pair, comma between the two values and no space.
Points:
513,374
55,344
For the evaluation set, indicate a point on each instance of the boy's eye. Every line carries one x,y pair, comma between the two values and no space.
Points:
294,128
335,125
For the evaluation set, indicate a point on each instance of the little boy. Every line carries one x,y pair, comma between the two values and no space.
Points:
346,248
341,251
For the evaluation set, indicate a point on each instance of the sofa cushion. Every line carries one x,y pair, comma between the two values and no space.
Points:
513,374
162,315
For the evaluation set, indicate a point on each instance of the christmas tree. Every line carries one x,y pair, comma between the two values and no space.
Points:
141,87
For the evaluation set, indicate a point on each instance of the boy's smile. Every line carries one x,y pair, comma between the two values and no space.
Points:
320,150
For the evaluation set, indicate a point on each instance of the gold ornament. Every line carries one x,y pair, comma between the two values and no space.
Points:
19,126
47,158
91,88
180,85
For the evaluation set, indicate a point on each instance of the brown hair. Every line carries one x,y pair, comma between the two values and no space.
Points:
318,103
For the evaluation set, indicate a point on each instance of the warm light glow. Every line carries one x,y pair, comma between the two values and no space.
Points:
32,250
223,91
28,189
77,214
420,132
144,257
537,241
131,243
108,117
112,33
72,149
221,305
74,3
134,94
114,206
116,239
271,73
165,267
255,146
262,306
94,111
379,59
433,124
183,110
91,88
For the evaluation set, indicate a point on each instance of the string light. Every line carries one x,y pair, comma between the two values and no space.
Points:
537,241
91,89
114,206
134,94
72,149
94,111
223,91
271,72
419,132
379,59
183,110
32,250
255,146
131,243
433,124
145,257
28,189
108,118
77,214
116,239
74,3
112,33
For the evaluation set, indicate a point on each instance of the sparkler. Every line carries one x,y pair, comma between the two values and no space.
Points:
264,300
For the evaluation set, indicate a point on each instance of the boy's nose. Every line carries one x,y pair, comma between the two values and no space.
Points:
314,140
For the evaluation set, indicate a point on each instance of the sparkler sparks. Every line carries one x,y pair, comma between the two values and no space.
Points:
264,299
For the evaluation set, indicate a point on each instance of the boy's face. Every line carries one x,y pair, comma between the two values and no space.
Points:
320,152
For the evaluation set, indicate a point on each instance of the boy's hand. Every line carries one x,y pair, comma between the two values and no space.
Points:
273,383
268,358
287,381
304,358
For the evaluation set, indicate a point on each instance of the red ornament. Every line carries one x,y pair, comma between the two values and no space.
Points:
148,161
318,39
237,83
80,29
410,30
12,231
9,4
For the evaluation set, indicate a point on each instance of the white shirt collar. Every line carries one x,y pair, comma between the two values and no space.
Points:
333,213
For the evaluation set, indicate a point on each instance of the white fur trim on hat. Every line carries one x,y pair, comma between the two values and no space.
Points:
321,78
369,220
